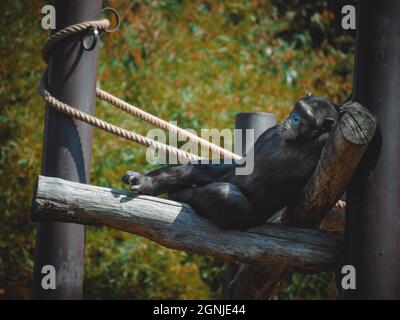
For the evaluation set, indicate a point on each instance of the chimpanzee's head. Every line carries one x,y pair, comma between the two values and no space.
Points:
310,118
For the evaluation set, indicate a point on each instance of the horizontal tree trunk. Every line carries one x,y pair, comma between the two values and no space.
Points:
176,226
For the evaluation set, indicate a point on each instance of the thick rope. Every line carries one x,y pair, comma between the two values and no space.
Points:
108,127
102,25
54,39
162,124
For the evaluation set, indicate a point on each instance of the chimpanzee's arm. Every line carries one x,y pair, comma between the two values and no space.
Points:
173,178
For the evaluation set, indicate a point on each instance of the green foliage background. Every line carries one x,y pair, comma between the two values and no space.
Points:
196,62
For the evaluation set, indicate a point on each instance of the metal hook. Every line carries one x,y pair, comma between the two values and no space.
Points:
115,13
92,33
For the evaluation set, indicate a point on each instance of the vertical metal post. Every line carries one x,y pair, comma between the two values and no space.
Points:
259,122
67,149
372,239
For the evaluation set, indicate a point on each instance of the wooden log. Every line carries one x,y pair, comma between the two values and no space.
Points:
176,226
336,166
246,283
255,281
334,221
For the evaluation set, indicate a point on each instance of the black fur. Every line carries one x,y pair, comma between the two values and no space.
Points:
284,158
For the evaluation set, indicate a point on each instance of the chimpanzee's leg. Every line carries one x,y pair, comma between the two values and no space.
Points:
175,177
221,202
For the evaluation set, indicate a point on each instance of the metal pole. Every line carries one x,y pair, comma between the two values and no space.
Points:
259,122
372,239
67,150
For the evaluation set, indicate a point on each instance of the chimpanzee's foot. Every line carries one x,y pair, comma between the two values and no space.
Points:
138,182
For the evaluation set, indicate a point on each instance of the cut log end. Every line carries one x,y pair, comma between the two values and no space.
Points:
358,126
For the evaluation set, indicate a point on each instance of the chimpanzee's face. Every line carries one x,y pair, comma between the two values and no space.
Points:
310,118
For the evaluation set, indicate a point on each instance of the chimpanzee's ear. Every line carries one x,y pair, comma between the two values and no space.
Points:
328,124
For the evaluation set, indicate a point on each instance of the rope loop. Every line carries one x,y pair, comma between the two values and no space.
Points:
100,25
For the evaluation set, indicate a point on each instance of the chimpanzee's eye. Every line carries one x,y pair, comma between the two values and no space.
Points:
295,118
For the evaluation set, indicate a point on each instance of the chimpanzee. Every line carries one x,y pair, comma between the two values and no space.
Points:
284,159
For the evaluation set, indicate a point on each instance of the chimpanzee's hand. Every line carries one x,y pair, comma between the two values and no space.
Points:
138,182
